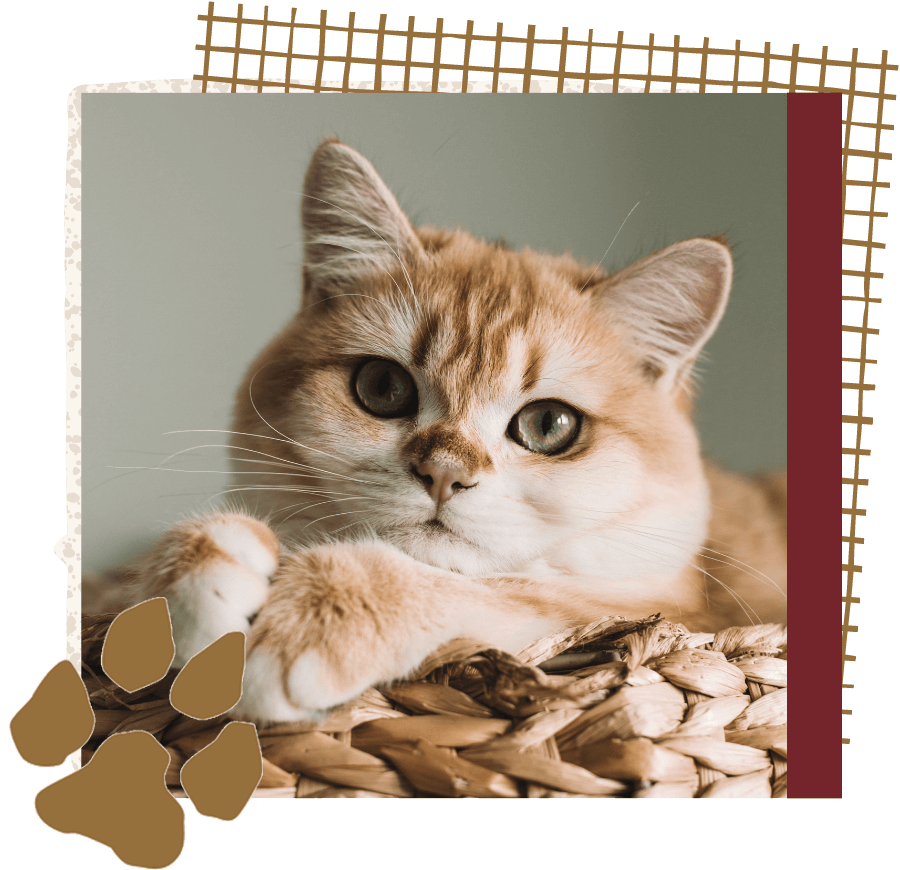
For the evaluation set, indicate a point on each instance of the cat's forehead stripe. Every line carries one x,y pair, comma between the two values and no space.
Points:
477,325
471,358
532,373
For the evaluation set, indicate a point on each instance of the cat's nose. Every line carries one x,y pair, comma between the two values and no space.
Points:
441,482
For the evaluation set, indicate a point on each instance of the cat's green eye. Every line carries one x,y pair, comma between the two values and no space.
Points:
545,427
385,389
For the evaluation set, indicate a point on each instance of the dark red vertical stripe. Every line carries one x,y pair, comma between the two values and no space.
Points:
814,317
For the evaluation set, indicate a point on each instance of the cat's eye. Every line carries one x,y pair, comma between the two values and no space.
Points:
545,427
385,389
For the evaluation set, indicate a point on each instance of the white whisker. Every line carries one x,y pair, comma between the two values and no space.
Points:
610,246
291,440
277,459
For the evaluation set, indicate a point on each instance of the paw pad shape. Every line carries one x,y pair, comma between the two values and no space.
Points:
120,799
41,735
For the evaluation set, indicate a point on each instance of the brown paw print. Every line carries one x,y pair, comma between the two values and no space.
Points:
117,710
617,709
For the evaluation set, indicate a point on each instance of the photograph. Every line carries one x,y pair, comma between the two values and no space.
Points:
459,410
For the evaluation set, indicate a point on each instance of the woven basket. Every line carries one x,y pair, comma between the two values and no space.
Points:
613,709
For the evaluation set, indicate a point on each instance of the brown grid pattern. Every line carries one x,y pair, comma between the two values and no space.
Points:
368,56
864,176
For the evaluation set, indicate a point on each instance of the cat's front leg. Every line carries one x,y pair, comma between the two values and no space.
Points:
344,617
214,573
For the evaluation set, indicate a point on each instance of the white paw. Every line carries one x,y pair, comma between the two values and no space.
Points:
210,602
218,579
267,697
247,541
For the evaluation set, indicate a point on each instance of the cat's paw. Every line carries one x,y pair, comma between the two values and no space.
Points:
214,573
339,619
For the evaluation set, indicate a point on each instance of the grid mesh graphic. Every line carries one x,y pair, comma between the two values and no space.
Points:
362,54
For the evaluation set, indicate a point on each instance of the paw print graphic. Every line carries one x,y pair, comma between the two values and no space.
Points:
122,796
616,708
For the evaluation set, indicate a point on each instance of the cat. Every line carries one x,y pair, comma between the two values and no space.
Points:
454,439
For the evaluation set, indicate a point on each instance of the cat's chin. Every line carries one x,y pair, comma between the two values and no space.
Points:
436,544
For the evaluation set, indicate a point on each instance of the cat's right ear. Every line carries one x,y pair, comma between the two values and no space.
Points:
353,226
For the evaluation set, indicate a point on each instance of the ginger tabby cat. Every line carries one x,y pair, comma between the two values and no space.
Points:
455,439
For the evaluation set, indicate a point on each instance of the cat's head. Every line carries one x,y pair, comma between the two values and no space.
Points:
483,409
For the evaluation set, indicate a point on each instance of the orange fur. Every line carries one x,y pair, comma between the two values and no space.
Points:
626,518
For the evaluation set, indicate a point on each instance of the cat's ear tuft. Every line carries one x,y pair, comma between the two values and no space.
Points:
352,224
671,303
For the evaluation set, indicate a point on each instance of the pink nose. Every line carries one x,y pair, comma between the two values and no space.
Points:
442,481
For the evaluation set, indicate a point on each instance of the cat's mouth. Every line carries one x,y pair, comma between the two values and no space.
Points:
436,542
437,527
437,530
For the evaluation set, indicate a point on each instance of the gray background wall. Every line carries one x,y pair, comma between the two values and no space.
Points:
192,253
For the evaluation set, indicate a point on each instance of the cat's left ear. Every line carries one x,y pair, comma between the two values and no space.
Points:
353,226
671,303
